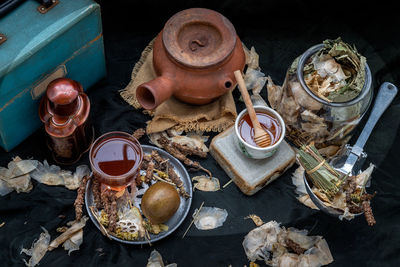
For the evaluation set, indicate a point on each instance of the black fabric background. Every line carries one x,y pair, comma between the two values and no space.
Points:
280,31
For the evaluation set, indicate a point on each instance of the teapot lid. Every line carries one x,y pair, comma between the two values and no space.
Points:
199,37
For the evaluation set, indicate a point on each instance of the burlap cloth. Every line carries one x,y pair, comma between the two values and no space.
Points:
216,116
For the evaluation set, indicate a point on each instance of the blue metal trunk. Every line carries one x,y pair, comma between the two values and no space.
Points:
66,41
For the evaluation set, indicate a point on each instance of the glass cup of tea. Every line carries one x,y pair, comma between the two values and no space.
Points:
115,159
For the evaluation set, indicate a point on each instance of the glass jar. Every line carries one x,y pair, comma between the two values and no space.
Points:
310,118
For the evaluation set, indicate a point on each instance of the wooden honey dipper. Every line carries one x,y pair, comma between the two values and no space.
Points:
261,137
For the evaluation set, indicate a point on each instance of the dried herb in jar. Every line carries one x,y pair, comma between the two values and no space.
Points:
336,73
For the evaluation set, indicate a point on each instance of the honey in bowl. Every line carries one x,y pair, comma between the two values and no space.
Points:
115,159
268,122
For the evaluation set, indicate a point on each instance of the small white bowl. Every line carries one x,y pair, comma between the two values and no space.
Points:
255,152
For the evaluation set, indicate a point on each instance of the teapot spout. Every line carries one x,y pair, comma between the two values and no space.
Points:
153,93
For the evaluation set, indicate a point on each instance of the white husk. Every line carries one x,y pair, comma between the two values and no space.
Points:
155,260
74,242
54,175
69,233
38,249
268,243
209,218
17,176
204,183
259,242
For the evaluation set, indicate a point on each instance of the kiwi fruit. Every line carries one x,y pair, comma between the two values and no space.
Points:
160,202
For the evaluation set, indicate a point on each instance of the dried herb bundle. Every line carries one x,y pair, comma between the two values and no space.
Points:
323,176
339,191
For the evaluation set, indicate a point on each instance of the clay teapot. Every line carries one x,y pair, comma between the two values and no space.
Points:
194,57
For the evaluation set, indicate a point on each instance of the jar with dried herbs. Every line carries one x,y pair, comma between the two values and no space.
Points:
326,92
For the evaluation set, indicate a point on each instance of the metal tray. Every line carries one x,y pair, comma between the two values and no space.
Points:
175,220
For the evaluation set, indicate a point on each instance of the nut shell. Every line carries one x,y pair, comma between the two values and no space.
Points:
160,202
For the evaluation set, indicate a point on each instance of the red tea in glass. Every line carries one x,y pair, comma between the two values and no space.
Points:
115,158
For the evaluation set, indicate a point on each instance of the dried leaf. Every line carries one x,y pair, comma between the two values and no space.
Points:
254,80
257,220
309,116
329,151
205,183
252,58
363,178
289,109
302,98
275,93
38,249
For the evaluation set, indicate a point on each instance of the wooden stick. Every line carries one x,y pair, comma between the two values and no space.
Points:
261,137
247,99
102,228
195,217
228,183
162,180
